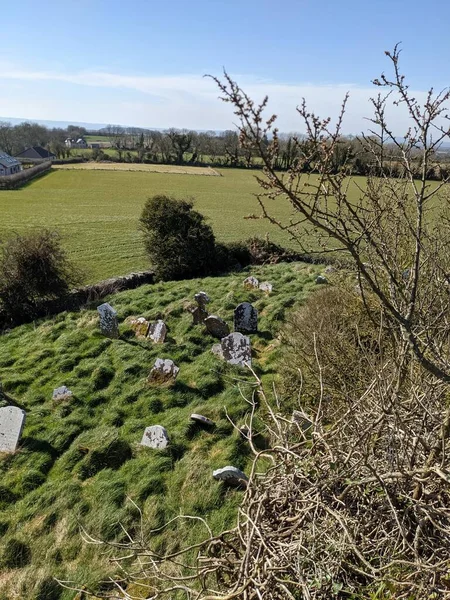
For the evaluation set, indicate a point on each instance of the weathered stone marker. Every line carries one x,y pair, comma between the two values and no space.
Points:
199,314
12,420
62,393
246,318
236,349
232,476
217,326
251,283
321,279
157,332
202,420
155,436
202,299
266,287
109,324
164,371
139,325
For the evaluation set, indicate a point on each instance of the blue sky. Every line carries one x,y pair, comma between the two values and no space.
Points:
141,62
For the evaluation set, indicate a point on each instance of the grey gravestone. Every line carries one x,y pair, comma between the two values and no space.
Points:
155,436
109,324
157,332
62,393
139,325
202,299
163,371
251,283
217,326
199,314
321,279
12,420
231,475
246,318
266,287
236,349
202,420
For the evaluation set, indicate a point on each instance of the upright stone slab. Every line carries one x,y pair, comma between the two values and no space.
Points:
202,299
62,393
251,283
163,371
231,476
157,332
139,325
246,318
266,287
12,420
321,280
199,314
109,324
155,436
217,326
236,349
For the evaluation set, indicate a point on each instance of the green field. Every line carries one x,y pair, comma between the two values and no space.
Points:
97,212
80,461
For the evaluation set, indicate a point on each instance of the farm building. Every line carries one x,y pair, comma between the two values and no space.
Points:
79,143
36,153
8,165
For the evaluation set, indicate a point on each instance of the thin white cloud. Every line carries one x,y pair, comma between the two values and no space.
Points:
189,101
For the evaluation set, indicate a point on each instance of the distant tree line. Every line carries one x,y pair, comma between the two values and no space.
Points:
217,149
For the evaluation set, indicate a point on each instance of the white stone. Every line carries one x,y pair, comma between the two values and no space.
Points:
236,349
231,475
155,436
157,332
203,420
164,370
12,420
251,282
109,324
217,350
330,269
266,287
62,393
246,318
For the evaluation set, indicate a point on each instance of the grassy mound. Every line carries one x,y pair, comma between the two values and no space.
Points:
80,462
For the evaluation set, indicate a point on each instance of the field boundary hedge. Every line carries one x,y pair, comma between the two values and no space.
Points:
11,182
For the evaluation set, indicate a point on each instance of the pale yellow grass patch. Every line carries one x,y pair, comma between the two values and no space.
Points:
171,169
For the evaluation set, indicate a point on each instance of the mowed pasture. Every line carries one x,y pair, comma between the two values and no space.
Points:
110,166
97,212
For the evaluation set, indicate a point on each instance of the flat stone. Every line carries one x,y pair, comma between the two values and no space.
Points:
217,326
217,350
236,349
199,314
158,332
321,279
109,325
266,287
12,420
203,420
139,325
251,283
202,299
155,436
231,476
246,318
62,393
164,371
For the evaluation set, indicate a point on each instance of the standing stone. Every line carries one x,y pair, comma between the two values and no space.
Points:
232,476
202,299
199,314
157,332
202,420
266,287
217,326
109,324
163,371
12,420
246,318
321,279
251,283
62,393
139,325
155,436
236,349
217,350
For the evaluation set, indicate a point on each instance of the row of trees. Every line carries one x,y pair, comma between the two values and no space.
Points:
15,138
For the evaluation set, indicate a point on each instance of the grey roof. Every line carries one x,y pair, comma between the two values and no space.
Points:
8,161
35,152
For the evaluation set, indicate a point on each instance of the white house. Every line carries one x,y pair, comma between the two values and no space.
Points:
9,165
79,143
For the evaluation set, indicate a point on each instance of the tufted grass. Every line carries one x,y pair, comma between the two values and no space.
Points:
80,462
